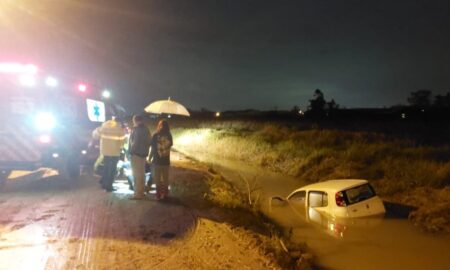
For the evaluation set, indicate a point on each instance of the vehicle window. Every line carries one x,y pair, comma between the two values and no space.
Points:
317,199
359,194
298,197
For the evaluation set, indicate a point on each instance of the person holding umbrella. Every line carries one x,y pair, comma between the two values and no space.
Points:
139,144
160,158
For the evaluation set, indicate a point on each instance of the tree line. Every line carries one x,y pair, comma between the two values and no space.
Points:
319,106
424,99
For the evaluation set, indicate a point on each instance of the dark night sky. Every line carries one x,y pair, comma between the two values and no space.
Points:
234,54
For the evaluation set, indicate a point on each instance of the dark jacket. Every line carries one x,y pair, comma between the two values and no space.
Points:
139,141
161,144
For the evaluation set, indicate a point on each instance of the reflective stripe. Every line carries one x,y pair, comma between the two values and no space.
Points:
118,138
17,144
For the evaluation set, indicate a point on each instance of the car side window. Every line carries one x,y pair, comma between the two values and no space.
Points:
317,199
298,197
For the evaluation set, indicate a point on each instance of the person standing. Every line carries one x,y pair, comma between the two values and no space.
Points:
139,144
160,158
112,137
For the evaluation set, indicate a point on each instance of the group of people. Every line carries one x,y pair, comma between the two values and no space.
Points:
142,147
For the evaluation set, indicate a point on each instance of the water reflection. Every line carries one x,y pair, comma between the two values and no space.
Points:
332,226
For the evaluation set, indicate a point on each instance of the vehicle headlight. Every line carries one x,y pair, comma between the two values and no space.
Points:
45,121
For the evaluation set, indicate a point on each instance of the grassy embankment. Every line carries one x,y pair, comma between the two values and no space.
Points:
400,170
201,188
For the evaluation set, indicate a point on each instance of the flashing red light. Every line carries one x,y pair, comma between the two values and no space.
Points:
82,87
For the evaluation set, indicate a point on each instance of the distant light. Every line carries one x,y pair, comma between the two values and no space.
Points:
423,110
217,114
18,68
83,152
51,81
169,116
403,115
44,139
82,87
106,93
27,80
45,121
55,155
301,112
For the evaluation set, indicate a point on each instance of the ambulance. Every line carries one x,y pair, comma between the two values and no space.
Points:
45,122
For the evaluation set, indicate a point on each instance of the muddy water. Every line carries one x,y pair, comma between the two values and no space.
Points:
376,243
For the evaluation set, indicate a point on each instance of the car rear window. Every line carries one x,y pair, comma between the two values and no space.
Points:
358,194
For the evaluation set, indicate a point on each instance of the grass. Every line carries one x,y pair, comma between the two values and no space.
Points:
316,155
394,166
200,187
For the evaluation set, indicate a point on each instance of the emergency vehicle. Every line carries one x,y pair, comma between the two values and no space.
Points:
45,122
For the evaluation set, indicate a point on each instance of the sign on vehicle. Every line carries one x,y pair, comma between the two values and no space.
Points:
96,110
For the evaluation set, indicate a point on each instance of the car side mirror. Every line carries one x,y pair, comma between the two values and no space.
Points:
277,201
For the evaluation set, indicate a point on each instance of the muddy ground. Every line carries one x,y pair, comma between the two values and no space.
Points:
51,223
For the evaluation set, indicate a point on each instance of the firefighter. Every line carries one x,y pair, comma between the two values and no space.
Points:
112,138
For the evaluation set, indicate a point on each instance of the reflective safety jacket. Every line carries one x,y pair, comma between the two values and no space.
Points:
112,138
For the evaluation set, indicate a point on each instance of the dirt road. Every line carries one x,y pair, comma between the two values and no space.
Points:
51,223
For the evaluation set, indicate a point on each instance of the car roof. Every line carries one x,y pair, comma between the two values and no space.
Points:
334,185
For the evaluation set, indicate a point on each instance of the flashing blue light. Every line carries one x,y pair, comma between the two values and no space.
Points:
45,121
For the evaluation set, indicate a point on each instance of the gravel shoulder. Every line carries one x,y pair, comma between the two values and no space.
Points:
49,223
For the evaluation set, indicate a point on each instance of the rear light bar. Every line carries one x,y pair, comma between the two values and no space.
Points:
340,200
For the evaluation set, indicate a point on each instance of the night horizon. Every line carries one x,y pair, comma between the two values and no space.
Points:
224,55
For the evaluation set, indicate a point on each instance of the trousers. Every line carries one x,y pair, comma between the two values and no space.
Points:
138,169
109,171
161,179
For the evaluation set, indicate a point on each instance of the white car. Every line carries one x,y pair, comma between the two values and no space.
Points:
340,207
348,198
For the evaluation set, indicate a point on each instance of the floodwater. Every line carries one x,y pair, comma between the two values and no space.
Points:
374,243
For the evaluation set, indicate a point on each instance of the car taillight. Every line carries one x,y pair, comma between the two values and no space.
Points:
340,200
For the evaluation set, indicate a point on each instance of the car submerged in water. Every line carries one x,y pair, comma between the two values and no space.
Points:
336,205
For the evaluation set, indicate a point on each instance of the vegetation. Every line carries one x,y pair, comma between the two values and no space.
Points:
200,187
394,166
319,107
422,99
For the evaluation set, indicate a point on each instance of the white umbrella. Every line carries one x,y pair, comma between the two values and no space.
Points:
168,107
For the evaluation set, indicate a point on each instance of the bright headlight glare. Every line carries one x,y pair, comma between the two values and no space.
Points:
45,121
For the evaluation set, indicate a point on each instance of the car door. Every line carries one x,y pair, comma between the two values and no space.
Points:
317,205
297,201
317,199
